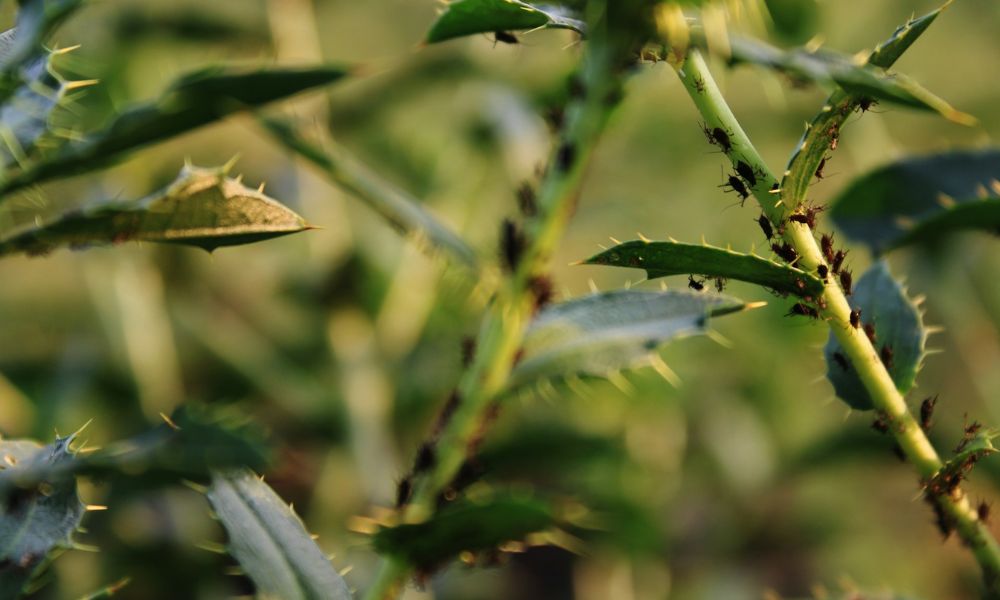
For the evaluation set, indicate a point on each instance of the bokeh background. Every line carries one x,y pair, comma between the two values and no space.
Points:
343,341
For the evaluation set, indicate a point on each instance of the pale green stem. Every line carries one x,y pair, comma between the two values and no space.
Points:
511,310
698,82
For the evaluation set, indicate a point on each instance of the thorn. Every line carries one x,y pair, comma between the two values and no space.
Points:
343,572
647,240
74,545
94,507
592,286
170,423
621,382
660,366
201,489
260,188
719,339
213,547
82,83
230,164
754,305
617,243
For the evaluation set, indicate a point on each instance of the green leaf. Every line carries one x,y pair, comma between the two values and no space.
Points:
194,100
465,525
546,451
824,130
828,67
202,207
660,259
37,520
919,199
602,333
23,45
973,447
898,326
193,442
468,17
270,542
398,208
794,21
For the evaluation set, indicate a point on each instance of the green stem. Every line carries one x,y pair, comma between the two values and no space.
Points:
698,82
502,330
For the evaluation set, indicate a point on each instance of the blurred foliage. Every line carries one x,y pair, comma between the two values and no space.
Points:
345,341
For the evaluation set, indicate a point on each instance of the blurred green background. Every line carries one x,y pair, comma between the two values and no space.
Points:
344,341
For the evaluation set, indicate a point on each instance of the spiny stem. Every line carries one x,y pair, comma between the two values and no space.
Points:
698,82
502,330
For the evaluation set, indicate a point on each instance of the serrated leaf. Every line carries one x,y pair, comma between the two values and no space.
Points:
23,44
464,525
825,126
270,542
660,259
26,115
973,447
202,207
194,442
602,333
468,17
919,199
898,325
395,206
36,520
827,67
194,100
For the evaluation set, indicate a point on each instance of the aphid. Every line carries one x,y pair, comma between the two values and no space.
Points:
765,226
822,271
566,156
808,217
449,408
746,172
699,85
695,285
718,137
720,284
944,523
826,242
841,361
426,457
983,511
541,289
819,169
834,136
555,116
505,37
804,310
899,452
512,244
468,350
526,200
403,491
870,332
865,104
881,424
785,251
838,260
736,184
927,412
886,354
846,281
856,318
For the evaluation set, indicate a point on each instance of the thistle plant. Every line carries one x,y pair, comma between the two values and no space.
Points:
453,501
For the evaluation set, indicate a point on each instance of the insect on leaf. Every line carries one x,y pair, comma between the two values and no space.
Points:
660,259
202,207
823,133
897,325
